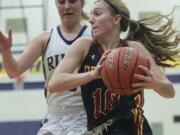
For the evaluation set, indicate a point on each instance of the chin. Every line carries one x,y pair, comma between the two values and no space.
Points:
97,36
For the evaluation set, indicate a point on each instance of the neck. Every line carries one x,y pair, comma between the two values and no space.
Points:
71,28
70,32
110,41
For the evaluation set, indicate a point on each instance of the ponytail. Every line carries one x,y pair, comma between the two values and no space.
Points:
162,43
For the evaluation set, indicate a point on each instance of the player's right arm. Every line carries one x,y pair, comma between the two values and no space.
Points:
63,77
31,53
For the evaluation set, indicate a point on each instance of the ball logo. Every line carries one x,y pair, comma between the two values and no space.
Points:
127,59
110,60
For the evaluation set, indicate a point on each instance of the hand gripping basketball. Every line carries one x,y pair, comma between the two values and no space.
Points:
119,67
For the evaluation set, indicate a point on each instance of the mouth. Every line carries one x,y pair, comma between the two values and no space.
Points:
68,14
94,29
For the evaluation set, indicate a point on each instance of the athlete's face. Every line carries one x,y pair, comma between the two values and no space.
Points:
101,20
69,11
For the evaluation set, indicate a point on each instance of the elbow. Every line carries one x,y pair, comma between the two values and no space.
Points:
57,85
53,89
172,95
166,90
13,75
171,91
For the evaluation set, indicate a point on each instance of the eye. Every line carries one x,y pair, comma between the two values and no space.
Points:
97,13
69,1
61,1
72,1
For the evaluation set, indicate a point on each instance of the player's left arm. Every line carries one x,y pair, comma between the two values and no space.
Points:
155,77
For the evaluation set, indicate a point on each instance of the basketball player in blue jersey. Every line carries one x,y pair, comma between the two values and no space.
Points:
107,112
66,114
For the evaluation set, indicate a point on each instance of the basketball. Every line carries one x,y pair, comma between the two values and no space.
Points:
119,67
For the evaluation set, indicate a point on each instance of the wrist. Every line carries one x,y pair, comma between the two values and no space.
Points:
165,88
92,75
161,85
6,51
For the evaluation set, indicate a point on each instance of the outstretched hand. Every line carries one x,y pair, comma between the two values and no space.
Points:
5,41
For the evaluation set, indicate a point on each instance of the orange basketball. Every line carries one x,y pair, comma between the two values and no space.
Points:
119,68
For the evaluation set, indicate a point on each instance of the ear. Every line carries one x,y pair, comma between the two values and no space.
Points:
117,19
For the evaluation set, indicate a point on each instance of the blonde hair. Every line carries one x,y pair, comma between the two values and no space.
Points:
161,42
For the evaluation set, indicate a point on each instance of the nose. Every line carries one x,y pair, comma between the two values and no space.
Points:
66,4
91,20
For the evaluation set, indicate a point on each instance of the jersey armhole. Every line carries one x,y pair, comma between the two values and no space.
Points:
45,47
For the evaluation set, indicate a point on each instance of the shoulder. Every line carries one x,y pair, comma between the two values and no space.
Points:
83,41
136,45
40,40
45,34
81,46
42,36
141,49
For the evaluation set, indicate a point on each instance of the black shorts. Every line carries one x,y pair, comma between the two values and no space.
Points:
126,126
